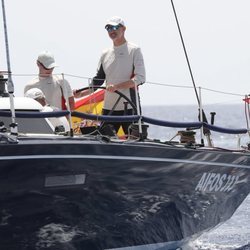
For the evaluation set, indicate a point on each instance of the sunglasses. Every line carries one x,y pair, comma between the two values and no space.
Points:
45,67
110,28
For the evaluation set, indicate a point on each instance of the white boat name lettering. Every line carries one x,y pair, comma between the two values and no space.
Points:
211,182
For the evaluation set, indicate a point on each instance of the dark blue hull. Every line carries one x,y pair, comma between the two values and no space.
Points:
114,195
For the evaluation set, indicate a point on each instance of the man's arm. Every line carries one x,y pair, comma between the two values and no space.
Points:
138,78
139,68
97,80
123,85
71,103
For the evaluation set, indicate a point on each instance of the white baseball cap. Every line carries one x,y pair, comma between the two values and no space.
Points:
115,20
47,59
34,93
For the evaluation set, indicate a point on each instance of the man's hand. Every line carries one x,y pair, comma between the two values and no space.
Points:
111,87
76,94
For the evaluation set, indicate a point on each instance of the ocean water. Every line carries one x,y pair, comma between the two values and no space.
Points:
234,233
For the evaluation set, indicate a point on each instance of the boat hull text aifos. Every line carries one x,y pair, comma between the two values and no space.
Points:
114,195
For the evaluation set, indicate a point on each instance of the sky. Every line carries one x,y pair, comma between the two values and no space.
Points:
216,35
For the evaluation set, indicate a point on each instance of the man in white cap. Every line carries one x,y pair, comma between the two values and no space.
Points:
55,88
122,68
38,95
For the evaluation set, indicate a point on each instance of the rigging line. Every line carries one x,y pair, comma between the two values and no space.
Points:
10,82
169,85
58,74
185,51
148,82
222,92
247,114
188,87
10,85
92,96
202,116
24,74
153,83
81,77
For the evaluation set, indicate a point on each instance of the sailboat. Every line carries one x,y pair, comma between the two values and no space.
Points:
114,193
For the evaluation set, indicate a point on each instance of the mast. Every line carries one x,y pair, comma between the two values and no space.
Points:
10,85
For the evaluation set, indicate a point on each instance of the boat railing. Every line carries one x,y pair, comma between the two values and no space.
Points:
35,114
202,124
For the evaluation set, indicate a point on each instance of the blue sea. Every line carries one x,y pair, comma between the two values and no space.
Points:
235,233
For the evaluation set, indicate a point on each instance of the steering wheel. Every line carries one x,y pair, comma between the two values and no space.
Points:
121,95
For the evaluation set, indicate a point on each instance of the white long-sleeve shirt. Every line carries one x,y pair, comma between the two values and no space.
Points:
53,87
120,64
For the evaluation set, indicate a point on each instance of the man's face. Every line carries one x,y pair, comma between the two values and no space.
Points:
43,70
115,32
